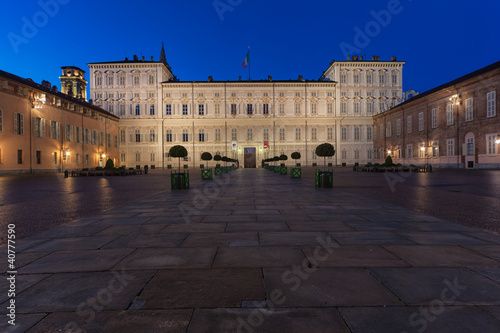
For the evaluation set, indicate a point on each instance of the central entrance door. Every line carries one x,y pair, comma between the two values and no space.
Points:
250,159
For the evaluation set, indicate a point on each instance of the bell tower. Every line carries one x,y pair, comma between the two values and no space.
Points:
73,82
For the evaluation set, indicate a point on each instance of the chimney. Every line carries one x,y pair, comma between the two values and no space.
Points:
361,58
143,58
349,58
375,58
91,102
270,78
210,79
240,77
393,58
354,58
136,57
152,59
301,78
46,84
126,59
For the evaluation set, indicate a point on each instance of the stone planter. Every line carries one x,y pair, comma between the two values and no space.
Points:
206,174
179,181
295,172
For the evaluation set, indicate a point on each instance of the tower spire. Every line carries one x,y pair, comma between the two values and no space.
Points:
163,58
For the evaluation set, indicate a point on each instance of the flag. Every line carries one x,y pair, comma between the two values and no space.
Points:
247,59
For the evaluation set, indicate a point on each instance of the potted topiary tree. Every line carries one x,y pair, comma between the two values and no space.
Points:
283,169
297,171
206,173
225,159
325,178
179,180
218,169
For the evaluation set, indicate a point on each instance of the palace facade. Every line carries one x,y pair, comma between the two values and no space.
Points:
246,120
454,125
43,130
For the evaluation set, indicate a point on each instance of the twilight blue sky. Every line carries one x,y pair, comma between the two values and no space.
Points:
439,40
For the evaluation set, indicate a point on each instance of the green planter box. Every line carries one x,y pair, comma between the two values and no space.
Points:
324,179
283,170
277,169
295,172
179,181
206,174
225,169
218,171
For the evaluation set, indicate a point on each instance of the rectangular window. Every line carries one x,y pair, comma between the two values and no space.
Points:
116,140
282,108
356,154
234,134
398,127
109,140
152,157
394,78
122,109
343,108
201,135
249,134
77,157
344,154
18,123
469,112
168,109
314,108
185,135
217,134
185,109
168,136
297,108
55,130
435,149
152,135
201,109
54,158
67,132
137,135
381,106
369,78
356,107
38,127
449,114
450,147
110,81
86,159
388,130
122,80
101,139
329,133
152,110
265,109
491,146
356,133
122,136
381,131
297,134
369,131
151,79
314,134
87,136
122,157
266,134
137,110
434,117
421,121
233,109
369,107
490,104
381,78
217,109
356,78
410,150
343,133
343,78
282,134
249,108
408,124
369,154
136,80
38,157
329,108
137,157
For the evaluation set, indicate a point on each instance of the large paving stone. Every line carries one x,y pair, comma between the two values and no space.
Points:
490,273
83,292
437,319
291,238
171,258
22,323
76,261
440,256
229,218
140,241
144,321
72,244
203,288
68,231
442,238
257,226
267,320
22,282
378,226
202,239
319,226
195,227
353,256
259,256
22,259
324,287
489,251
370,238
421,286
137,229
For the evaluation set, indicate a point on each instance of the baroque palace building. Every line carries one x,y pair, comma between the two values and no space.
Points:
454,125
246,120
43,130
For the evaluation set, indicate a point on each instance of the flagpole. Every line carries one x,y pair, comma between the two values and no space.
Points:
249,63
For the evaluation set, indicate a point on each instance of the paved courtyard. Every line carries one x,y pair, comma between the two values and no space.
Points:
253,251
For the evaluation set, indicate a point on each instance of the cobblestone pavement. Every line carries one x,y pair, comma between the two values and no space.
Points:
254,251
